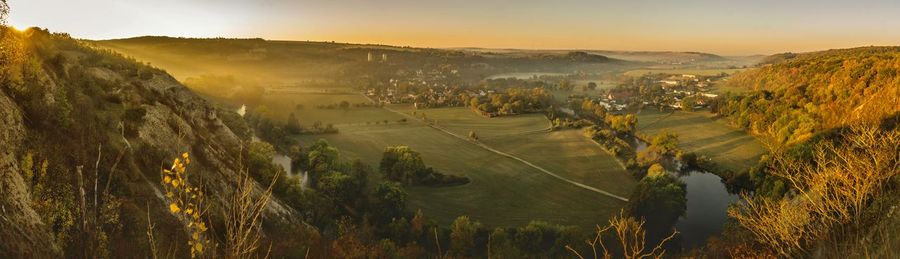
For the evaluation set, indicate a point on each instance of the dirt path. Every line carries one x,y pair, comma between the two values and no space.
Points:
488,148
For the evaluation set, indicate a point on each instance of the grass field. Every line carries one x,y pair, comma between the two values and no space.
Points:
567,153
570,154
678,71
280,105
700,132
503,191
461,120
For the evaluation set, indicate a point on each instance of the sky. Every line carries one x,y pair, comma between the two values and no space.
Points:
723,27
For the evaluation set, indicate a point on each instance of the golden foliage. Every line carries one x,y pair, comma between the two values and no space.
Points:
186,203
832,190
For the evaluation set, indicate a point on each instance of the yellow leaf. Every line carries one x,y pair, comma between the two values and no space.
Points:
175,183
184,155
198,246
189,211
174,208
167,179
169,194
202,227
196,235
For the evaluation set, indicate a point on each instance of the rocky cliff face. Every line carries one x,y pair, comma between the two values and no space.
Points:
23,233
68,102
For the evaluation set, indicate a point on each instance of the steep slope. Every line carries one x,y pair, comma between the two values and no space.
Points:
828,187
808,93
85,134
21,229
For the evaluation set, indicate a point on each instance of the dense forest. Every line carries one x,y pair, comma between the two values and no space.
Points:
809,93
830,121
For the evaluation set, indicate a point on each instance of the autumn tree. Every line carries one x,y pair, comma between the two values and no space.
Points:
665,142
830,193
462,236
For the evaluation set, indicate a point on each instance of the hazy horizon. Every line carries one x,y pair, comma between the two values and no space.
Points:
722,27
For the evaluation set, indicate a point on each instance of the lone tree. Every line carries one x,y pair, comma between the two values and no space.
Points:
472,135
591,86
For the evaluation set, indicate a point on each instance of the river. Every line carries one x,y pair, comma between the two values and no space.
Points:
707,205
281,159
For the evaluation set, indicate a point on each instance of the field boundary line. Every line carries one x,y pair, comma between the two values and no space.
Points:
657,120
488,148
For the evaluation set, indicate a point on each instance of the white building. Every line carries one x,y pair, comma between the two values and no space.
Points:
669,82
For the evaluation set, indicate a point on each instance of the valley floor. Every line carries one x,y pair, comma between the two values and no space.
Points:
504,191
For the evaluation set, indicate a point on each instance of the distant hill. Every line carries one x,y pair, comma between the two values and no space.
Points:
293,61
634,56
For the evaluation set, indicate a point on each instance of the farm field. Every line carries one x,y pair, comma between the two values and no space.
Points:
460,120
730,148
503,191
701,72
280,105
567,152
570,154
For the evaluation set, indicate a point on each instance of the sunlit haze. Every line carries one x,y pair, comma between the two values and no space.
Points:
723,27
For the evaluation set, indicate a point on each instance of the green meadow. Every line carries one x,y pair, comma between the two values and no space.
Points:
731,149
281,105
503,191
